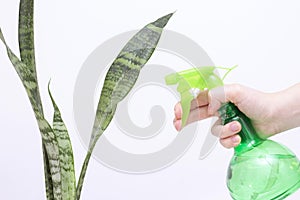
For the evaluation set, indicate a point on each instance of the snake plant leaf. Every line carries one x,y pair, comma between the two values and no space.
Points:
26,44
120,79
52,152
26,32
125,70
48,137
27,53
47,173
25,73
68,180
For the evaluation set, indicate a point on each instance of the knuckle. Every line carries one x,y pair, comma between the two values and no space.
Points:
233,90
225,143
216,130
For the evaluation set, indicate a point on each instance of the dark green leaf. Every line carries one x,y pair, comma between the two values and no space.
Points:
48,137
26,33
26,44
120,79
47,173
57,149
26,47
125,70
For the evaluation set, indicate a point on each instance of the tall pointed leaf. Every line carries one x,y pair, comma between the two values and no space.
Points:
26,44
57,150
26,32
49,140
120,79
25,73
26,47
124,71
68,180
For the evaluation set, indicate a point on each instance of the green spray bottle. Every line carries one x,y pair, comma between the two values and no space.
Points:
260,169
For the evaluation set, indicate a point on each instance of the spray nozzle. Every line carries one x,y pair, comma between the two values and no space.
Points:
191,82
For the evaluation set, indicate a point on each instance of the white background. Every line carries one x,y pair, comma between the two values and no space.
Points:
262,37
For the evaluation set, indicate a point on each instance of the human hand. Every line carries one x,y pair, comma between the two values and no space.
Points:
260,107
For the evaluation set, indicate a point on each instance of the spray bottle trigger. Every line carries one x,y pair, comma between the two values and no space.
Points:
186,99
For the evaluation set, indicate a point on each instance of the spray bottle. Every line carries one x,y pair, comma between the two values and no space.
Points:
260,169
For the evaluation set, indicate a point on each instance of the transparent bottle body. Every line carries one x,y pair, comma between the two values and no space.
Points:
268,171
259,169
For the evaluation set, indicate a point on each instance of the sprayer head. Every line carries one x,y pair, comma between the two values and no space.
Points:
191,82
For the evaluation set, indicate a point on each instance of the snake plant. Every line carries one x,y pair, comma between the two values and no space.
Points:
58,158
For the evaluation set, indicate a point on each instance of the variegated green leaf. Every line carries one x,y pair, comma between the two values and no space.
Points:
57,150
25,73
120,79
48,137
68,180
26,44
26,32
52,152
124,71
47,173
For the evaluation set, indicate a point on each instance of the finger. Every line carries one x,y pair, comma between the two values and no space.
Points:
234,93
195,115
216,97
201,100
227,130
177,124
230,142
198,114
178,111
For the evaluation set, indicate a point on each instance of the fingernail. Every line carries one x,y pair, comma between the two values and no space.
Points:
177,125
235,139
177,113
234,127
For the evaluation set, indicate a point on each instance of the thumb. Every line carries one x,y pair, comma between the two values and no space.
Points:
227,93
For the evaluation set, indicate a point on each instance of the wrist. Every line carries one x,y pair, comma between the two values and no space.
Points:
286,108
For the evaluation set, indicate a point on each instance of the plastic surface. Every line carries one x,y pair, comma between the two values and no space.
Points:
196,78
260,169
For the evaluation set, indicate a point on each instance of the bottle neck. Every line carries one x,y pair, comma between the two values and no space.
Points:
249,138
